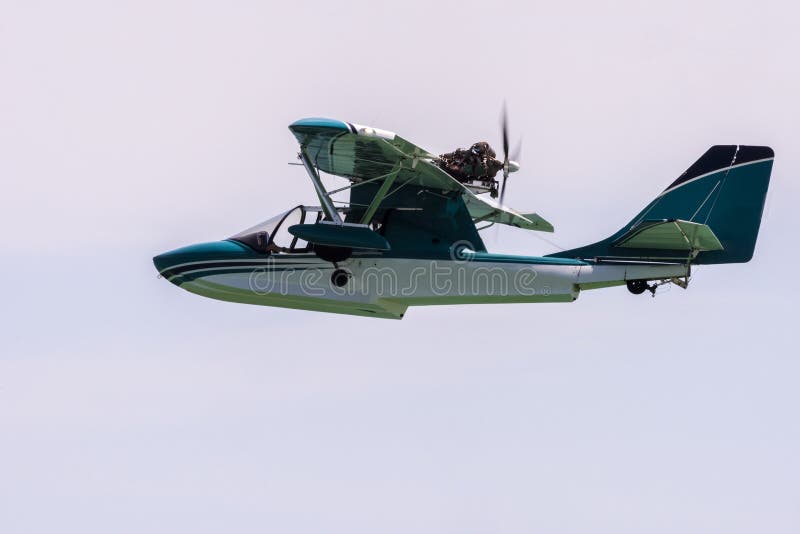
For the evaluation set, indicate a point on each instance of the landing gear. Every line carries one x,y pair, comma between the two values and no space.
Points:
340,277
637,287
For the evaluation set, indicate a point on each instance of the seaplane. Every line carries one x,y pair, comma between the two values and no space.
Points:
408,232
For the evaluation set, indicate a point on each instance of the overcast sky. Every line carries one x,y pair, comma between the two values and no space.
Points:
130,406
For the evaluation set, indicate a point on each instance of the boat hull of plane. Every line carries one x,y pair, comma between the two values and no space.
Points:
376,286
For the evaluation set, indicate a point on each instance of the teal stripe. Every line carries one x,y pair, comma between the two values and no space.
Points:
488,257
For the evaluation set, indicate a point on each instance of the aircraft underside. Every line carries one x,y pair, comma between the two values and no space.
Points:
386,287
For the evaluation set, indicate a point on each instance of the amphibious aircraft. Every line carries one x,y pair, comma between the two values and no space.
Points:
408,235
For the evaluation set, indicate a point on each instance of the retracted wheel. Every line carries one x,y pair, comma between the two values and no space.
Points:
340,277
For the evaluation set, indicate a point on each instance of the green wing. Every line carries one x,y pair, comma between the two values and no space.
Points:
362,153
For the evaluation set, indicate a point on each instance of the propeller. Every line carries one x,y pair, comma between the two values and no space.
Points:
510,160
516,154
509,165
504,127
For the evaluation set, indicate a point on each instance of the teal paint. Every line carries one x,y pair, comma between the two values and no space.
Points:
426,225
216,250
488,257
340,236
730,201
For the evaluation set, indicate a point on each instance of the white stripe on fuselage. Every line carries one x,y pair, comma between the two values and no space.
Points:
265,259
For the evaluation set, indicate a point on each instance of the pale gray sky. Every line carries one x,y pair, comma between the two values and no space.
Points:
129,406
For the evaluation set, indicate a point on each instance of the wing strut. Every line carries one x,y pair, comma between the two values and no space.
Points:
324,199
381,194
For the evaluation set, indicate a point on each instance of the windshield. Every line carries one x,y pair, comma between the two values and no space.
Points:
273,234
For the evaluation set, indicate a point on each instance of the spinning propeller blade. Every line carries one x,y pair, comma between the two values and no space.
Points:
516,154
504,127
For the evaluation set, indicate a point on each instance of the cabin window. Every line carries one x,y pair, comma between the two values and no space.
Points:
281,237
273,234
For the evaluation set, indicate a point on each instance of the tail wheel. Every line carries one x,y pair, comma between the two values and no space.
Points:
637,287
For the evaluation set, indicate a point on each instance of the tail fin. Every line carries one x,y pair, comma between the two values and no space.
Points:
721,195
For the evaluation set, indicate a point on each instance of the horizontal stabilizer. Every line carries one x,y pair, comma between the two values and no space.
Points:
667,234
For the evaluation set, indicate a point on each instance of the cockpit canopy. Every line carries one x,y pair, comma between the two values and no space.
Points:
273,234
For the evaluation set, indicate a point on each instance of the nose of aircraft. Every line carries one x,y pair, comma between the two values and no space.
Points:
171,264
164,261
